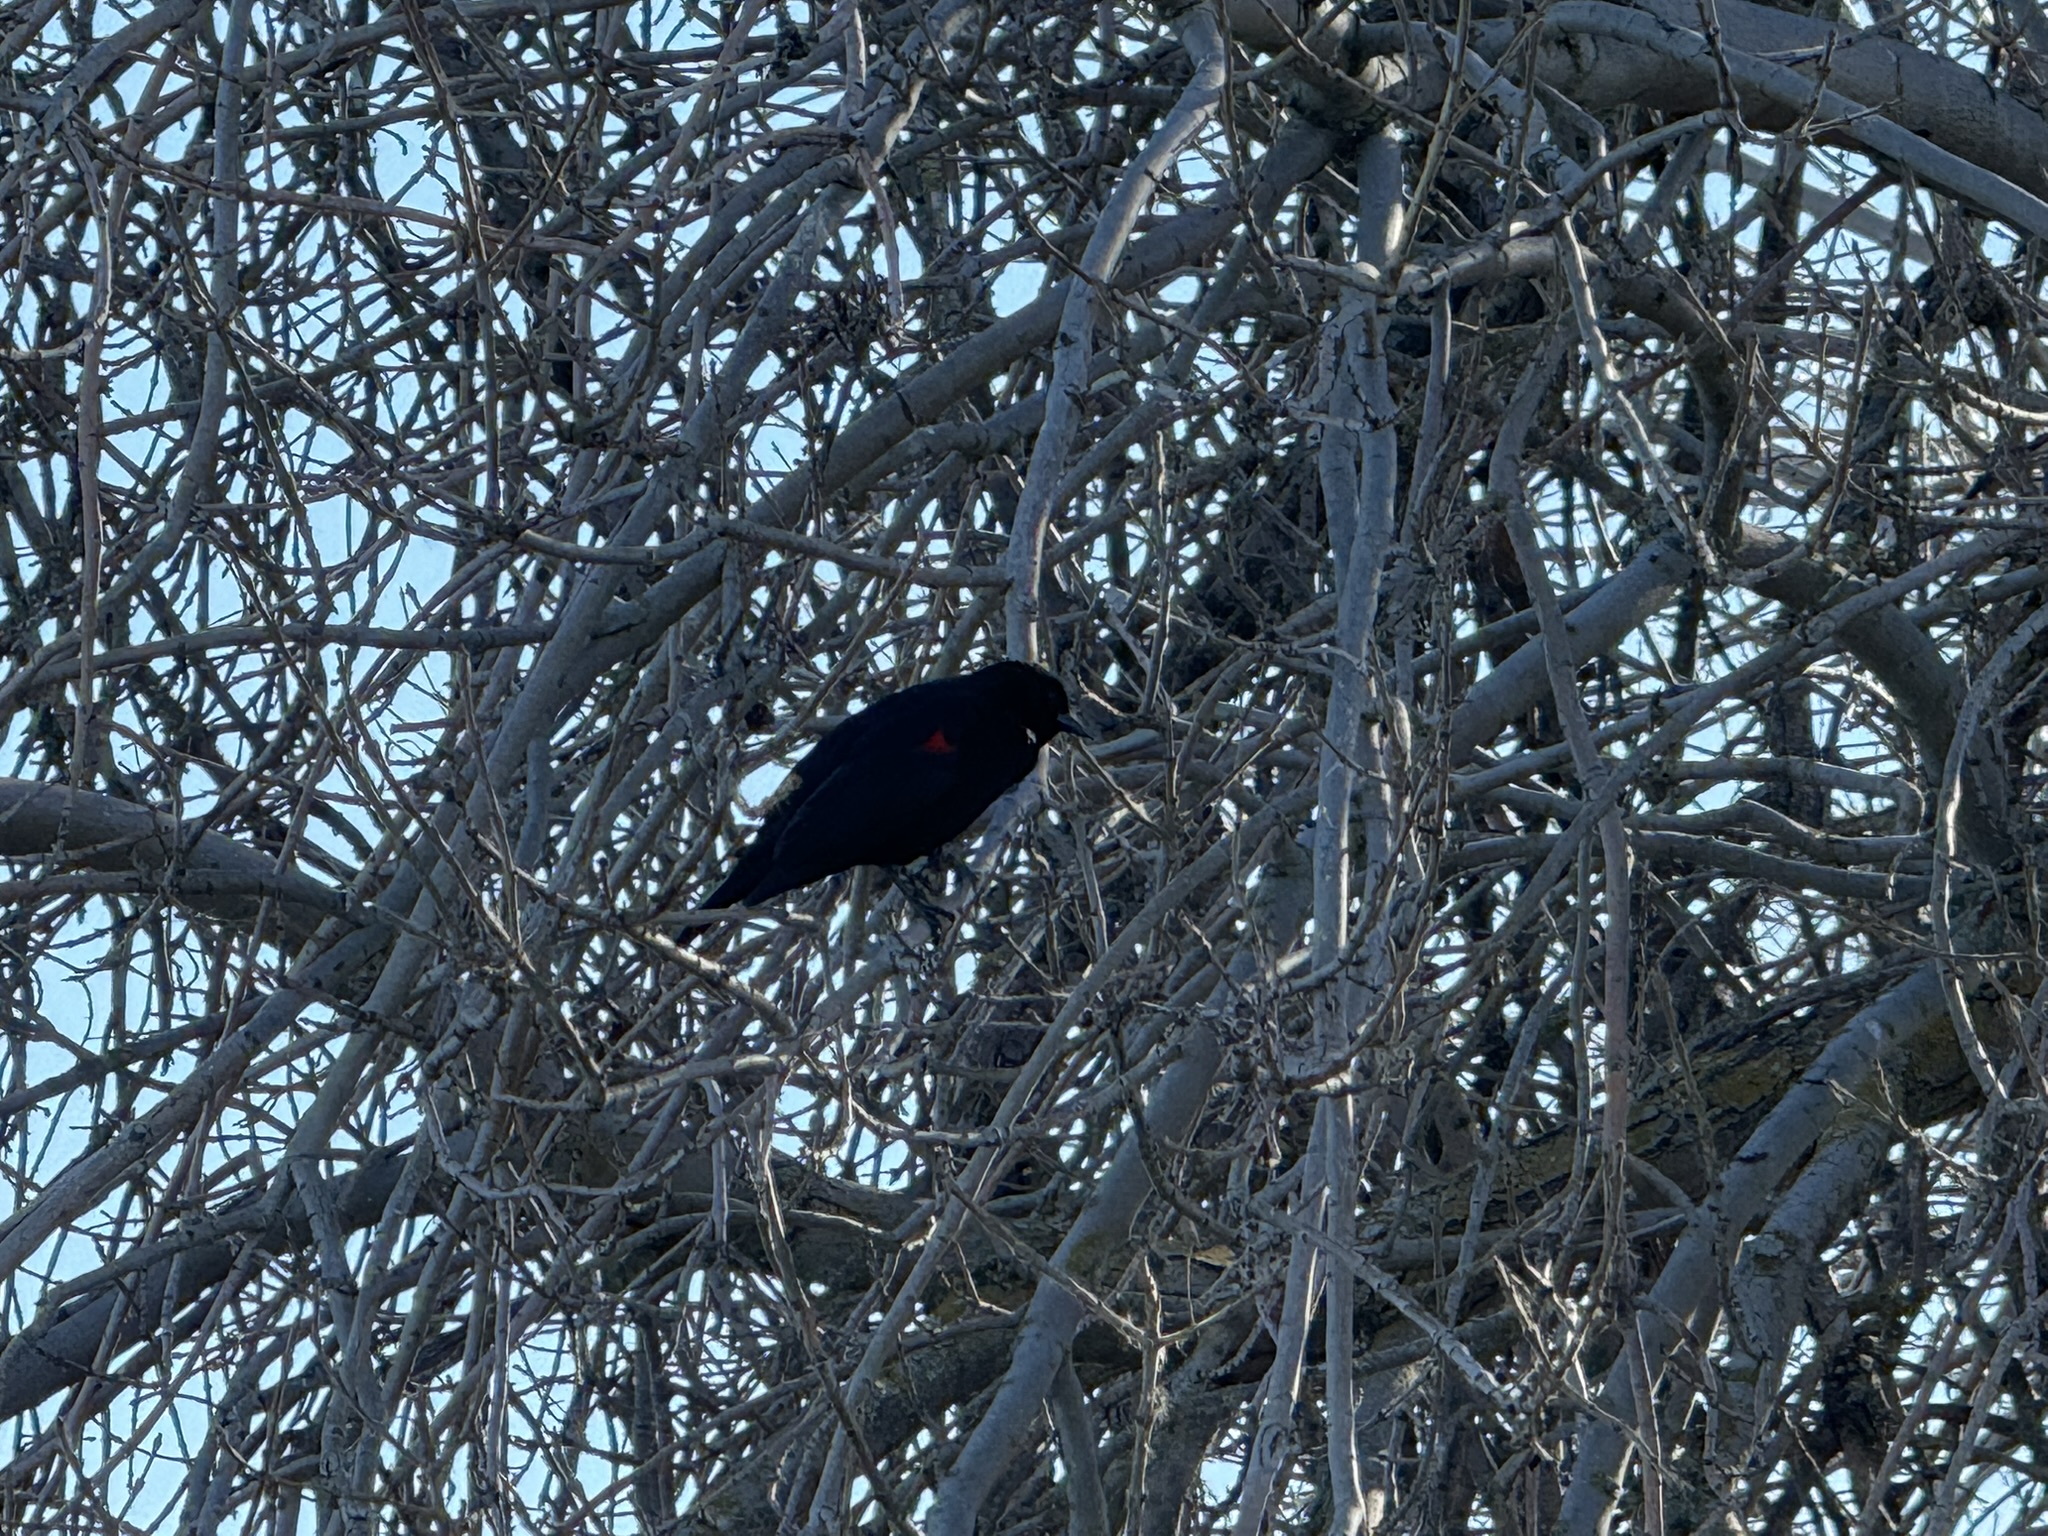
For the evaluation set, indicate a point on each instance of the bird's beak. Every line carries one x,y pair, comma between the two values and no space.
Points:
1074,727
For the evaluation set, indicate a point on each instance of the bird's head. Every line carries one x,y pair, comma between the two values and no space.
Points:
1036,698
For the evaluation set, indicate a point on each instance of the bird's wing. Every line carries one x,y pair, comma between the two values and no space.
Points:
746,873
868,730
758,856
884,739
884,807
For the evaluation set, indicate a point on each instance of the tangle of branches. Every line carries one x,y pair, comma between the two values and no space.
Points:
1525,1019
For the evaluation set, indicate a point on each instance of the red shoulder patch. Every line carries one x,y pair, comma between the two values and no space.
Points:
937,742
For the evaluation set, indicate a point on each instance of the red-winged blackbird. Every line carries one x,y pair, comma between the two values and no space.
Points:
905,775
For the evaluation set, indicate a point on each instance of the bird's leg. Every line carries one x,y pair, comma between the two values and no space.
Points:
954,861
965,931
928,905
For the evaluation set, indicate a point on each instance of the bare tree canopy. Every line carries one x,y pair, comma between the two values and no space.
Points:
1526,1018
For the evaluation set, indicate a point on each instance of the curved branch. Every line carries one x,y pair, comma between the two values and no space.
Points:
212,873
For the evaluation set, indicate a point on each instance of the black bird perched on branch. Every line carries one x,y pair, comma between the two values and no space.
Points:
902,777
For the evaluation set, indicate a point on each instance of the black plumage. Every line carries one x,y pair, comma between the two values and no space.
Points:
901,778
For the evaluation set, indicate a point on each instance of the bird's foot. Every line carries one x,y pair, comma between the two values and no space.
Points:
929,905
